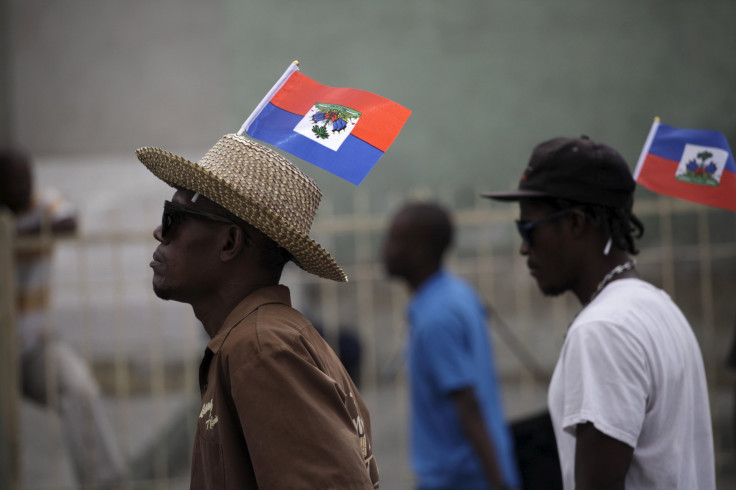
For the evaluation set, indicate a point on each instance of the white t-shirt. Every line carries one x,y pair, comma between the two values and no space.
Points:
631,365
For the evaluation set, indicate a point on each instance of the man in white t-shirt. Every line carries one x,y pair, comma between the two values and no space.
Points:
628,397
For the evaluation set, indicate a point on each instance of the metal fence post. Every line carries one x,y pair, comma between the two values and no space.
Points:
9,421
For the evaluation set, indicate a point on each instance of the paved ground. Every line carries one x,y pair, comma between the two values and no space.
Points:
144,424
156,430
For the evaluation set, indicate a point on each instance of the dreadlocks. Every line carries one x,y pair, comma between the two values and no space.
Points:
618,223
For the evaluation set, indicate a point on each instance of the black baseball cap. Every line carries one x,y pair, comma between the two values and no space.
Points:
576,169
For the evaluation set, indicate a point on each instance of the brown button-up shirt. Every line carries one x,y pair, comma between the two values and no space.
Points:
279,411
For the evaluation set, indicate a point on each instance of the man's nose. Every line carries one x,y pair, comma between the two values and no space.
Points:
524,248
157,234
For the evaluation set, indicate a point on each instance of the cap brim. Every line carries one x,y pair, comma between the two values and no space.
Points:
513,195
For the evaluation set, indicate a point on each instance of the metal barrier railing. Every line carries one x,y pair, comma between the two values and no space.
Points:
145,352
9,427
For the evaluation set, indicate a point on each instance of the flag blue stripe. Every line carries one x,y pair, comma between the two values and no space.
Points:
352,161
670,142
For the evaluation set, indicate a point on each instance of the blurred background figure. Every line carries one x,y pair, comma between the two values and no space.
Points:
348,347
731,363
459,434
53,374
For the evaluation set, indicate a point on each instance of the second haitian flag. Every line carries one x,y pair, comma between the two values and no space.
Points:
696,165
342,130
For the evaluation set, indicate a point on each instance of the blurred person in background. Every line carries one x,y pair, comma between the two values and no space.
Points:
628,397
279,410
459,435
53,374
731,364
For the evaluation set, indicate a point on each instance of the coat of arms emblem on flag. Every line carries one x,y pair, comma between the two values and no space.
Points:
701,165
329,124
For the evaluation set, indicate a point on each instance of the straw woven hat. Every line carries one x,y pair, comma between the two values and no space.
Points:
259,186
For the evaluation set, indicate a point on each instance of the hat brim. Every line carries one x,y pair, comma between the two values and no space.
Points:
180,173
514,195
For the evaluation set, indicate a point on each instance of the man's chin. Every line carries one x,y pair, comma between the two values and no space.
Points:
162,293
550,291
394,272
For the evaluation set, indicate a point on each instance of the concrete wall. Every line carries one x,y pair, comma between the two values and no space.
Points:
111,76
486,79
4,74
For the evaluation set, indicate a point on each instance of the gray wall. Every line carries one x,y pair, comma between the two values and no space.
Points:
100,76
486,80
4,74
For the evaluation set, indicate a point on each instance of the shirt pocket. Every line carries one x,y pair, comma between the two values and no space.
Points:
208,472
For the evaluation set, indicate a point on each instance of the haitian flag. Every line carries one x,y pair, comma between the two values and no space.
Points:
691,164
342,130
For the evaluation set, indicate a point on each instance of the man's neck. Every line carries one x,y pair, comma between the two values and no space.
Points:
617,265
421,276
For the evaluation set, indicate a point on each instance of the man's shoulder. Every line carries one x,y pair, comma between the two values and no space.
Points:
269,323
621,297
453,305
634,309
253,341
447,288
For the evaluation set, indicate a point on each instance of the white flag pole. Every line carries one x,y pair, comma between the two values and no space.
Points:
645,150
294,66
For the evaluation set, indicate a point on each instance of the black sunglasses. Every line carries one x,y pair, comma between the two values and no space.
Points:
526,227
173,213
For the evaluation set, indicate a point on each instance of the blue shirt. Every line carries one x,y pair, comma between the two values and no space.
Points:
450,349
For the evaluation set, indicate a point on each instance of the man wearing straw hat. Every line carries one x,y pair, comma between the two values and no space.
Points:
628,397
278,408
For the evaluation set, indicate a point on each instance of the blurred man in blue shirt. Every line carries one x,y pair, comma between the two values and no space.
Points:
459,435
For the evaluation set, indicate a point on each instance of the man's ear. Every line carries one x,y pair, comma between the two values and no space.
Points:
578,221
235,242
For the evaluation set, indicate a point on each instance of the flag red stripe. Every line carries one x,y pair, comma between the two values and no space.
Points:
658,175
381,118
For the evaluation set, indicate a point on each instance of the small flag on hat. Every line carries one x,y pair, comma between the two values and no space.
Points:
692,164
342,130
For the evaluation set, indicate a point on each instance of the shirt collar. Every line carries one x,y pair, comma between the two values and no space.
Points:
249,304
427,285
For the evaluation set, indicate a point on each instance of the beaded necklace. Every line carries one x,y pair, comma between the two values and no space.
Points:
619,269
